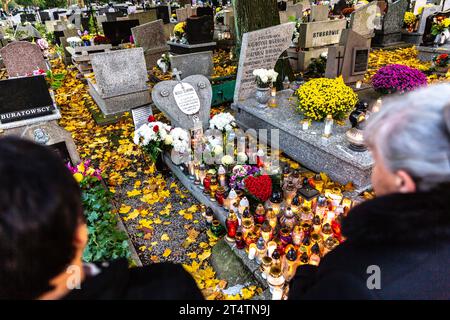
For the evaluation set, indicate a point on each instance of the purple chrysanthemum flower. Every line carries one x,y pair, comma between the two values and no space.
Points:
398,78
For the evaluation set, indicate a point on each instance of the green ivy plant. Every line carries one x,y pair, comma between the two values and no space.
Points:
106,241
55,80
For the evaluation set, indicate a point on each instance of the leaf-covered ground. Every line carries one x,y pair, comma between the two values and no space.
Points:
161,217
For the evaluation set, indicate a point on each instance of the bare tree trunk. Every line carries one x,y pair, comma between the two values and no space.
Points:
251,15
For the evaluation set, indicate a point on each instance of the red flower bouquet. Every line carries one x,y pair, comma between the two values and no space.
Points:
260,186
441,60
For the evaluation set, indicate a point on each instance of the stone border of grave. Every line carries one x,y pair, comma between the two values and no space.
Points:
22,123
221,215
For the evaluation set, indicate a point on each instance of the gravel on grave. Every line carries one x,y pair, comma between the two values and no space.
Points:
177,230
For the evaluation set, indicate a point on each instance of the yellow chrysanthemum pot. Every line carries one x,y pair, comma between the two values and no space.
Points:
322,96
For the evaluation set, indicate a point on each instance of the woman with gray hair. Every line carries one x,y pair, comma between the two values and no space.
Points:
397,245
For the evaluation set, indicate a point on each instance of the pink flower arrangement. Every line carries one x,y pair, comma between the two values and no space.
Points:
398,78
84,169
42,44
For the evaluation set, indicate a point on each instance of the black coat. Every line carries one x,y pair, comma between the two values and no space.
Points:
116,281
406,235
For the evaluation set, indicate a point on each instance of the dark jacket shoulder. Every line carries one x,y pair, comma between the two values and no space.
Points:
404,239
164,281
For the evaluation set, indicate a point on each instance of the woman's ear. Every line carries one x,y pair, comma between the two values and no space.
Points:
81,236
405,182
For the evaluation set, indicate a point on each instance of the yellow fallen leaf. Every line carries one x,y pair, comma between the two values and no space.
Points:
165,237
167,253
133,193
188,216
132,215
192,255
124,209
142,248
203,245
205,255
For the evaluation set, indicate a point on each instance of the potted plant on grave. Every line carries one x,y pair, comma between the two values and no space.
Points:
179,33
321,97
153,137
398,78
440,29
264,80
410,20
441,63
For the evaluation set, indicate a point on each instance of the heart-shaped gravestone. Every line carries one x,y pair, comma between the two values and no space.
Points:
181,100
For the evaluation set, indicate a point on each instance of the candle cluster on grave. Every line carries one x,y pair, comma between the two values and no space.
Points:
298,224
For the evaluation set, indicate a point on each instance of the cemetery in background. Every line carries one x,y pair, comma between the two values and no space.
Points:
229,143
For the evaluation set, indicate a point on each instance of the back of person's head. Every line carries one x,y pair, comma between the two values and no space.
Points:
40,209
412,133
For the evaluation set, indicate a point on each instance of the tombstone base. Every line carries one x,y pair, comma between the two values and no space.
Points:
382,40
152,56
330,155
179,48
428,53
412,37
120,103
300,60
22,123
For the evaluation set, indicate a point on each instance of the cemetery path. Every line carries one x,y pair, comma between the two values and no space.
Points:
161,217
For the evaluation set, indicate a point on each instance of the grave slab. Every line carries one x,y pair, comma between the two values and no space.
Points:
120,80
164,99
329,155
194,63
21,58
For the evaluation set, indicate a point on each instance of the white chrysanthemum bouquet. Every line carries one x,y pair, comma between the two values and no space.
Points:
264,77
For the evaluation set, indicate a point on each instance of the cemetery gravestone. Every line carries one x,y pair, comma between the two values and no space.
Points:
119,32
446,5
390,34
151,38
427,11
294,11
182,14
24,101
193,63
140,115
143,17
162,12
21,58
417,5
321,33
70,33
200,29
260,49
26,32
363,19
319,13
44,15
100,19
331,155
56,138
120,80
350,58
184,100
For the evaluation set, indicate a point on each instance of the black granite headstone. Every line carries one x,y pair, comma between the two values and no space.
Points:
119,32
205,11
24,98
60,149
45,16
85,23
162,12
200,29
57,35
360,61
27,17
